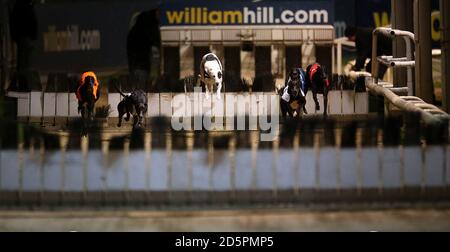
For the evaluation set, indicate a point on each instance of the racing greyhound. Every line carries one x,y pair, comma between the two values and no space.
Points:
211,74
134,104
293,94
317,80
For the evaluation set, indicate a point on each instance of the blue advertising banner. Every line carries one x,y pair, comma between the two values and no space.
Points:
181,13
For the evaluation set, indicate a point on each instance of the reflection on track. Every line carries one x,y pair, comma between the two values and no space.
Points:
311,159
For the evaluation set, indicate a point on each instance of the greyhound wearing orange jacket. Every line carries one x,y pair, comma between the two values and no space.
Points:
87,94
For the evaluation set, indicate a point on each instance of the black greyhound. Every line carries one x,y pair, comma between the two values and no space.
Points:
133,104
317,80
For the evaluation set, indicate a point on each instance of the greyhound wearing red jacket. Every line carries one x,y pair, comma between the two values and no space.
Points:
317,80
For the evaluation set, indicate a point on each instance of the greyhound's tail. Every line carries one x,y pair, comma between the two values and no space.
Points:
118,90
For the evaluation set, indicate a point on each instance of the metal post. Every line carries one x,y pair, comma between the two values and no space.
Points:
445,57
381,31
422,30
333,59
402,12
409,72
339,58
374,57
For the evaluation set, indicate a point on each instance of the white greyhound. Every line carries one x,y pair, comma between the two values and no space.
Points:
211,74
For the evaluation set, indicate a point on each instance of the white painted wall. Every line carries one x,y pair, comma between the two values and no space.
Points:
340,103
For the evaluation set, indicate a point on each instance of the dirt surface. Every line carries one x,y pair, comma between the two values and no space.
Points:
247,220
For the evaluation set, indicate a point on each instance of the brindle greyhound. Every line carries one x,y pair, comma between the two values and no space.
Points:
134,104
292,96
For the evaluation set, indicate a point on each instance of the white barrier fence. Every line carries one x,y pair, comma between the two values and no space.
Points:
261,169
37,104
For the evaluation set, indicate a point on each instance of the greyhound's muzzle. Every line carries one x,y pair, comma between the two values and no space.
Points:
296,91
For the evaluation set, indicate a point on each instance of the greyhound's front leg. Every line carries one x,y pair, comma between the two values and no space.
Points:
314,93
206,92
290,110
91,113
219,87
119,124
302,105
325,101
283,109
316,101
135,120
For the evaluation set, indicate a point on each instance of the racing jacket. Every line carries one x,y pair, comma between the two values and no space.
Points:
95,87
